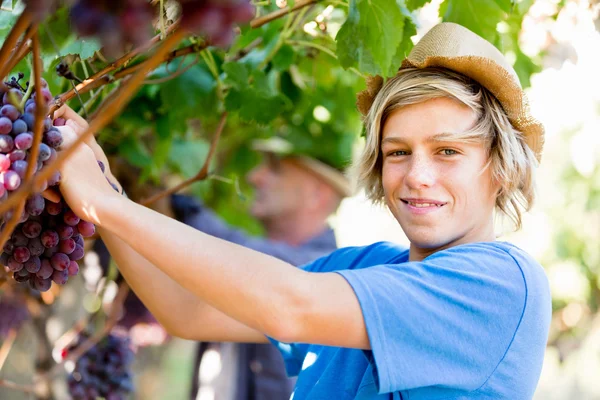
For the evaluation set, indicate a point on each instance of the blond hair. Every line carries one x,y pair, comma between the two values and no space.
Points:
512,162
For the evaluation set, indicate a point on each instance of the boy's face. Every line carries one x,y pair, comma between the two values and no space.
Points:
437,188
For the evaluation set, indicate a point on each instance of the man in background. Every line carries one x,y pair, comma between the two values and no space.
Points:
294,196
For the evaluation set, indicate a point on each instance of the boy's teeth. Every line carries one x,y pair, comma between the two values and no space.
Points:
423,205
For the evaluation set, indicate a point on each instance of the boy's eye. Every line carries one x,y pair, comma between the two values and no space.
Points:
449,152
397,153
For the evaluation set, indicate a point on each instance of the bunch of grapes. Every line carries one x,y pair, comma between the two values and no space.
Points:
48,241
215,18
115,23
103,371
13,313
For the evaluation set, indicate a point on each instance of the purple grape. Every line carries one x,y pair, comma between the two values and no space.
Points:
41,285
33,265
54,208
32,229
29,120
78,239
7,144
60,261
86,229
53,138
35,246
60,277
64,231
13,265
77,254
101,165
5,126
12,181
49,238
18,127
46,269
70,218
17,155
9,111
73,268
4,163
24,141
21,276
20,167
60,121
35,205
54,178
21,254
66,246
44,152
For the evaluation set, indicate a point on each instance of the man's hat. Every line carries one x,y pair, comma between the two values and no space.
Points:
332,176
452,46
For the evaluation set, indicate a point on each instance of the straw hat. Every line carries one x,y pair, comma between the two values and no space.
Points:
332,176
452,46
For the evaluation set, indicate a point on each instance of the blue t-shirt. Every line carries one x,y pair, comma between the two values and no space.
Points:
469,322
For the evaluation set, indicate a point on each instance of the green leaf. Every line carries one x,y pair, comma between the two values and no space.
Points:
134,151
85,48
505,5
371,35
187,156
284,58
480,16
410,29
192,94
237,74
416,4
255,105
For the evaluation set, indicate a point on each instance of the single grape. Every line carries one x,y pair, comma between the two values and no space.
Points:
20,167
4,163
66,246
7,144
53,138
70,218
9,111
17,155
29,119
44,152
23,141
64,231
77,254
54,209
21,254
21,276
33,265
40,284
59,121
73,268
35,246
60,261
86,229
32,229
35,205
60,277
19,239
6,125
12,181
46,269
49,238
19,126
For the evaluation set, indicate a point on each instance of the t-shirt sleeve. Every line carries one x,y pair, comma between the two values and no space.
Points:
447,320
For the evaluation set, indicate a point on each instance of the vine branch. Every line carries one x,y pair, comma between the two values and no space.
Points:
201,175
11,40
265,19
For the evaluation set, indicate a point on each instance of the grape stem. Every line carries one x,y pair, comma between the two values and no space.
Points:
201,175
113,107
265,19
9,44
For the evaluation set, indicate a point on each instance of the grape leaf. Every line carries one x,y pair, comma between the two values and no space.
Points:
371,35
416,4
255,105
85,48
405,47
187,156
480,16
505,5
237,74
